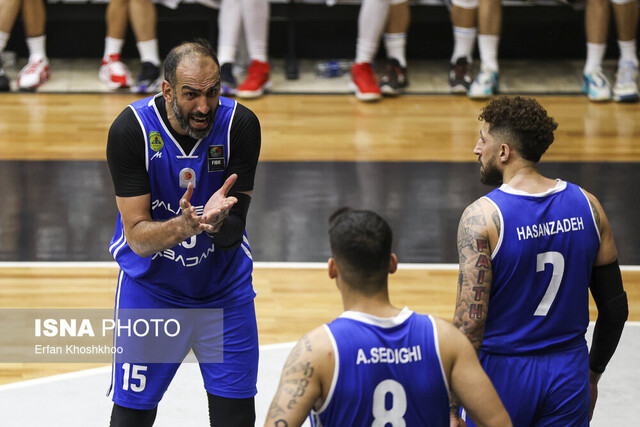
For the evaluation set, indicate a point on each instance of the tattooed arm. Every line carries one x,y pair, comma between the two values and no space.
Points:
477,234
305,380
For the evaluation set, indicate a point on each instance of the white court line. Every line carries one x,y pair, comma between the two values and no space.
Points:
54,378
263,265
258,264
106,369
102,370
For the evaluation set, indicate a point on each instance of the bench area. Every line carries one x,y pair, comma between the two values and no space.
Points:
309,29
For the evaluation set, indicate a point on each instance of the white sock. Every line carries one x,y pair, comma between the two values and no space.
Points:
229,26
255,20
37,48
149,52
226,54
112,47
371,20
488,47
595,54
628,51
395,45
464,40
4,38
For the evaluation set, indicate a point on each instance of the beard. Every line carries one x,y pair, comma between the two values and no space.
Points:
183,121
491,175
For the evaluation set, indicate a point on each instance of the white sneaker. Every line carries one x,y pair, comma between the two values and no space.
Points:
596,86
33,74
485,85
626,88
114,73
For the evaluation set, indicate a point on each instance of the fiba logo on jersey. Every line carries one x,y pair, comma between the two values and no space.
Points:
216,152
215,158
187,175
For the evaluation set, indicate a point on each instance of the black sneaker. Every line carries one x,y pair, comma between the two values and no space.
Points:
149,80
228,84
460,76
394,79
4,80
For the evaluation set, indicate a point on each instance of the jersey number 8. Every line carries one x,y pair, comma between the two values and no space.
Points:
394,415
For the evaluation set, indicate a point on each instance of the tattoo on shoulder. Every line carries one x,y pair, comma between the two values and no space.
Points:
596,213
294,356
296,375
474,215
472,226
496,220
296,387
307,343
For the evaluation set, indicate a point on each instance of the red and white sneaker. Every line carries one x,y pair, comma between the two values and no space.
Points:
364,82
33,74
257,80
114,73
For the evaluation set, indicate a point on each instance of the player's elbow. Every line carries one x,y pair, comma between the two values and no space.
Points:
473,328
498,420
501,419
136,246
139,250
497,416
615,311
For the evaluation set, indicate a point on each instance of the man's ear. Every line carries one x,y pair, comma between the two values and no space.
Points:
333,268
505,153
167,91
393,263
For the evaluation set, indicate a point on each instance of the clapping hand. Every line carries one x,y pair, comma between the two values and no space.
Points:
215,211
218,206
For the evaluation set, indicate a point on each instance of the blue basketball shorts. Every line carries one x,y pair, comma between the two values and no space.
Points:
141,385
543,389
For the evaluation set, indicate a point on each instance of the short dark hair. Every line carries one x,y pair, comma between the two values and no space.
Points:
199,47
522,122
361,246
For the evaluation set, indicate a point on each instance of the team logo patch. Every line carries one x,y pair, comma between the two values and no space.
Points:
215,158
187,175
155,141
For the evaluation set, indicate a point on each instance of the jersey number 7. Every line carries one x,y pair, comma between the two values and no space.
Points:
557,262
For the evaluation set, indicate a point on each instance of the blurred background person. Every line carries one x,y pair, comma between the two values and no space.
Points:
36,72
594,82
113,71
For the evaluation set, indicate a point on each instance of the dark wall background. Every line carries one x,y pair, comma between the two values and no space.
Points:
543,31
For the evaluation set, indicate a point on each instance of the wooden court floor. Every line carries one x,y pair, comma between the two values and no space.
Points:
298,128
326,128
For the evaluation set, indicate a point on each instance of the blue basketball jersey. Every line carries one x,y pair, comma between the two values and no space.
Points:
541,270
387,372
193,272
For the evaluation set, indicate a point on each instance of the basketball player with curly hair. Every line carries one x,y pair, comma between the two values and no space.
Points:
529,252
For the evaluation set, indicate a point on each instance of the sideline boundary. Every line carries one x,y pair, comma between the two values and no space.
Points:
257,264
107,369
